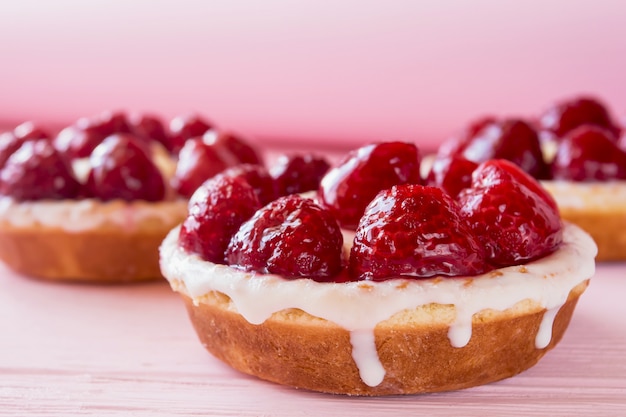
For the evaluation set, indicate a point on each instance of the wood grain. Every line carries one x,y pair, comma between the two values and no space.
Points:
130,351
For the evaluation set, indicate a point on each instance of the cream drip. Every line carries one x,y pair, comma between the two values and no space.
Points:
360,306
79,215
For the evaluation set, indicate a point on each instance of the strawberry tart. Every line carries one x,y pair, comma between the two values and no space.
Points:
377,284
94,202
574,149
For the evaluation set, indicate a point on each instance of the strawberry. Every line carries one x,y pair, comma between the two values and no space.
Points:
347,188
258,177
299,173
121,167
589,153
185,127
149,128
36,171
513,216
511,139
216,210
228,142
197,162
11,141
452,174
567,115
293,237
414,231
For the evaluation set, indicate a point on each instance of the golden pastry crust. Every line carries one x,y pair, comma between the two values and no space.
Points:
599,209
296,349
106,253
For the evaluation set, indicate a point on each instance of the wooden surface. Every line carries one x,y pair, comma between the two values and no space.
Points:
69,350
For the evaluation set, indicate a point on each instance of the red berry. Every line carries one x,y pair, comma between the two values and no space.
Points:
37,171
197,162
414,231
11,141
233,144
105,123
186,127
293,237
122,168
349,187
216,210
77,143
149,128
30,130
297,173
510,139
452,174
566,115
455,145
513,216
258,177
589,153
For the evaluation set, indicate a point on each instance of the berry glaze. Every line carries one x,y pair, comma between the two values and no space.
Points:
402,245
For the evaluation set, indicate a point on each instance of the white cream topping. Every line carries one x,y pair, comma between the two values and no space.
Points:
79,215
360,306
576,195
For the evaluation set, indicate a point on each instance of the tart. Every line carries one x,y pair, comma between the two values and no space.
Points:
425,293
574,149
94,202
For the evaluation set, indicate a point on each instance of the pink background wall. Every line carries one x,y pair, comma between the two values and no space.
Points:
341,72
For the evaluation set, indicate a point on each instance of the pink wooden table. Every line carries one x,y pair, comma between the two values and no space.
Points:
71,350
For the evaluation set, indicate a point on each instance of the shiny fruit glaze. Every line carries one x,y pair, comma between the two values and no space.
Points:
299,173
197,162
589,153
229,143
349,187
512,139
566,115
515,219
293,237
216,211
184,127
36,171
414,231
258,177
451,173
122,168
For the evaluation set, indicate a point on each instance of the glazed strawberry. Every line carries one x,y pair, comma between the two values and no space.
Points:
37,171
452,174
105,123
511,139
197,162
292,237
258,177
30,130
414,231
569,114
149,128
589,153
455,145
186,127
77,143
299,173
228,142
216,210
11,141
515,219
349,187
122,168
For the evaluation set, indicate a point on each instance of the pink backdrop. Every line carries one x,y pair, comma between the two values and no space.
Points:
340,72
